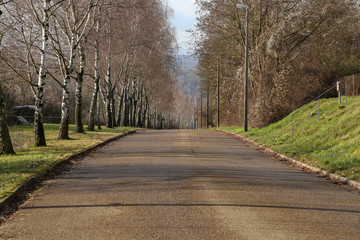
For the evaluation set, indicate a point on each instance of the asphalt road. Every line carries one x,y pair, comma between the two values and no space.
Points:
185,185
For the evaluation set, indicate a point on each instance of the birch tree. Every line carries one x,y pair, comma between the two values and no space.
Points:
72,23
118,31
95,94
39,95
38,123
28,44
79,128
81,72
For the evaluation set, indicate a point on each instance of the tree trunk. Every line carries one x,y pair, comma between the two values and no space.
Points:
78,95
144,120
78,108
5,140
108,97
148,119
121,102
91,122
155,119
140,117
64,124
108,112
113,119
134,111
40,139
130,111
65,104
126,108
161,121
98,112
94,103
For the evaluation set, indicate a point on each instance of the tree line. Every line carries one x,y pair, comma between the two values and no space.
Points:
115,59
298,48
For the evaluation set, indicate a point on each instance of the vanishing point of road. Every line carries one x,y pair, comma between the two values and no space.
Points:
185,185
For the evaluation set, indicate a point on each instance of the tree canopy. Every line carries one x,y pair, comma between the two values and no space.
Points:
297,49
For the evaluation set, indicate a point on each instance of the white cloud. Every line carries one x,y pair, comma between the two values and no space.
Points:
183,8
184,11
183,37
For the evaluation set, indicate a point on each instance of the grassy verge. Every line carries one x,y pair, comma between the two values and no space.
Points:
30,161
332,144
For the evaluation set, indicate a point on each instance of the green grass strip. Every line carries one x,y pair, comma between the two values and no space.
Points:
30,161
332,143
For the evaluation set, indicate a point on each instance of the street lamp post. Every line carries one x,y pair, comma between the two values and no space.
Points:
218,95
194,117
201,110
246,66
207,107
197,114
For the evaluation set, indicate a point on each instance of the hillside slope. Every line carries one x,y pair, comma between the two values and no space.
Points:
332,144
187,79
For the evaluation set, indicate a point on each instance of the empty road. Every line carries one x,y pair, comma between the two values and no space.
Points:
185,185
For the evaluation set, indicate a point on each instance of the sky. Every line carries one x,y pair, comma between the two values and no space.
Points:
184,19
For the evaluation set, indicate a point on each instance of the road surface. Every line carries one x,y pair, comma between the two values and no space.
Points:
185,185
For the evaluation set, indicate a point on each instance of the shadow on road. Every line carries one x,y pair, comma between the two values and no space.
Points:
193,205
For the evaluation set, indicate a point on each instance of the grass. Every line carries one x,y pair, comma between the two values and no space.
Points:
332,144
30,160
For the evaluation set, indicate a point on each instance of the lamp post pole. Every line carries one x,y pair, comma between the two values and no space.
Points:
246,66
207,107
194,117
201,109
218,95
197,114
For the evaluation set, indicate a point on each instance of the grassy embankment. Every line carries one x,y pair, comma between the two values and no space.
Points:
30,160
332,144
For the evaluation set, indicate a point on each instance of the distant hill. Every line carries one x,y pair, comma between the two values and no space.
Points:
187,79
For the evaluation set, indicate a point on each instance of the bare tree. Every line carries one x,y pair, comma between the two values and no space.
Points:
38,123
297,48
27,51
79,128
5,140
132,47
43,20
95,94
72,23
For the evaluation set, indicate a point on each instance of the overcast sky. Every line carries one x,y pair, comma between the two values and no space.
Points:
184,19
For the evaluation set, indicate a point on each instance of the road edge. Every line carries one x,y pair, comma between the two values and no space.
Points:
281,157
10,204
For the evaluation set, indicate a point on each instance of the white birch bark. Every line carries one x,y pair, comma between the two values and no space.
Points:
108,95
75,29
120,107
39,103
98,118
126,107
79,89
93,105
109,86
65,104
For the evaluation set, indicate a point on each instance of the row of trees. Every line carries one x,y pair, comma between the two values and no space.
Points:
117,56
297,49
